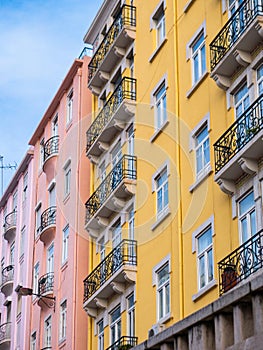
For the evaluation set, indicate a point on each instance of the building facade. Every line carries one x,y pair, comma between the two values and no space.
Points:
16,255
175,209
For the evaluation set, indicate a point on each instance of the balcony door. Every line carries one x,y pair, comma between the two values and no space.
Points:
238,24
115,326
52,196
247,217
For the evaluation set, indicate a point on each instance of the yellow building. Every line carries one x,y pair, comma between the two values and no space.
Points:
175,212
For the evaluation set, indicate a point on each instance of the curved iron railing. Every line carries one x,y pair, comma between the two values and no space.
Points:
124,169
124,343
46,283
5,331
48,217
126,17
125,90
124,253
241,263
8,274
10,220
239,134
233,30
51,147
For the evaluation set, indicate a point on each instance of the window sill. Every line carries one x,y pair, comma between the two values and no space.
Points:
204,290
157,50
205,173
157,132
165,319
165,214
195,86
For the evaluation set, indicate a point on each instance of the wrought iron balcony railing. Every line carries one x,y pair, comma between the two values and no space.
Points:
48,218
239,134
124,169
233,30
125,90
46,283
124,254
5,331
241,263
7,274
51,147
124,343
126,17
10,220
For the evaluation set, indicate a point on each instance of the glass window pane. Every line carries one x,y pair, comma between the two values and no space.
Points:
253,223
167,299
246,203
198,43
210,265
161,297
202,271
163,275
203,60
204,240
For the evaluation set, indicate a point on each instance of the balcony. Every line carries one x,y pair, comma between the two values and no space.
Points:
124,343
233,45
241,263
7,280
10,226
111,275
45,288
48,225
117,111
238,150
50,156
111,195
112,48
5,336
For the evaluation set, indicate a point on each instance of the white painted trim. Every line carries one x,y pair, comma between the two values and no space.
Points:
197,128
163,80
157,267
152,21
189,45
201,229
166,165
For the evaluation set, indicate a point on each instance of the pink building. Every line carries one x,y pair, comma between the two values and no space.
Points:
60,244
16,218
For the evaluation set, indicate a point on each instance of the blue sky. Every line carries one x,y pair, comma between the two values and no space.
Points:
38,42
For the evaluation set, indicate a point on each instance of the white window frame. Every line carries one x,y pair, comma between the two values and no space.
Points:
22,242
160,106
158,23
260,80
161,289
197,53
50,258
100,334
131,315
65,244
241,101
63,320
67,178
165,208
36,277
55,125
69,107
115,325
41,153
201,146
38,219
247,215
48,331
25,187
12,254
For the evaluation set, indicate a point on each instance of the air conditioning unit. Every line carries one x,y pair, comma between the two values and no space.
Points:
156,328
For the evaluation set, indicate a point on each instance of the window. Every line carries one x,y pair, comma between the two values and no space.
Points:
35,278
102,248
22,241
260,80
65,244
33,342
198,57
67,174
159,24
116,234
41,153
52,195
12,254
241,101
55,126
163,291
100,335
38,220
161,188
115,325
205,258
15,201
69,107
63,320
102,171
131,315
50,258
247,217
160,107
25,186
202,151
116,154
47,332
19,305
